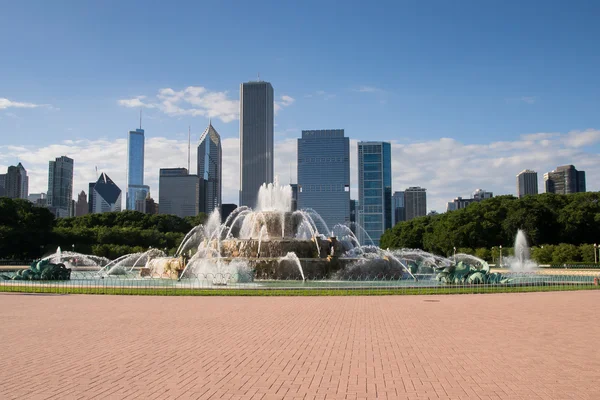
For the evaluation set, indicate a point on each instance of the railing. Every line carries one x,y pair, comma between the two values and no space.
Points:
91,282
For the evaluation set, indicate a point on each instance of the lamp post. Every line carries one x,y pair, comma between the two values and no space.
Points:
595,253
500,256
454,252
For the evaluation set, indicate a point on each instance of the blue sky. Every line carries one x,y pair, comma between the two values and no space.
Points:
420,74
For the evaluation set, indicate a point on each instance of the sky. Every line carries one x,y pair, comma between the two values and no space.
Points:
469,93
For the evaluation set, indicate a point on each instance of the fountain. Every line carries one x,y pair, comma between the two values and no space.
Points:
521,262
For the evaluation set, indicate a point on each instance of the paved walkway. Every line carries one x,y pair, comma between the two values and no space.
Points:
502,346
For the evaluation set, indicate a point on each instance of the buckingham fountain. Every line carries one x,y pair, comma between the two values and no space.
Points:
274,243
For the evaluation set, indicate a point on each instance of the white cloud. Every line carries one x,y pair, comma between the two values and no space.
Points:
528,99
445,167
196,101
6,103
368,89
135,102
283,101
320,94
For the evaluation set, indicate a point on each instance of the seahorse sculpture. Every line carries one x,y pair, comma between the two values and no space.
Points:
42,270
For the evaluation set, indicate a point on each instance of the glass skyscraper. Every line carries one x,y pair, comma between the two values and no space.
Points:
324,175
374,190
256,139
209,169
136,190
60,186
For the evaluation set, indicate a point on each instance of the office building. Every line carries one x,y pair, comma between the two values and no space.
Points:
353,215
15,183
415,202
136,190
324,175
527,183
60,186
209,169
565,179
480,194
294,187
39,199
106,195
398,208
91,197
178,192
460,203
226,210
256,139
374,190
81,207
151,206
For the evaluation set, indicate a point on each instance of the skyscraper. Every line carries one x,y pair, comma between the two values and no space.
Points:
178,192
527,183
81,207
106,195
480,194
60,186
15,183
415,201
256,139
565,179
209,169
324,175
398,207
374,189
136,190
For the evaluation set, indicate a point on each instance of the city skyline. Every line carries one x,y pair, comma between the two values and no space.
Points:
463,107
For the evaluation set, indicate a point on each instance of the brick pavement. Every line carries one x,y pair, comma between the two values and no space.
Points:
500,346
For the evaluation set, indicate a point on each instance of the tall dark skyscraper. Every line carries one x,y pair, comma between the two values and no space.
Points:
324,175
374,190
565,179
136,190
60,186
256,139
415,201
209,169
15,182
398,207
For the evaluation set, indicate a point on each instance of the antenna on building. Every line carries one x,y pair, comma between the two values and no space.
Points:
96,172
140,118
189,144
259,76
290,172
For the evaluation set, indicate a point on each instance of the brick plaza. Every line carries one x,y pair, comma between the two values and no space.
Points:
497,346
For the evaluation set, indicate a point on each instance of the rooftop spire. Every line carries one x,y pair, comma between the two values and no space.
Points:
140,118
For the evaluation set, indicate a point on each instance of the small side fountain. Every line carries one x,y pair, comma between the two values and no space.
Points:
521,261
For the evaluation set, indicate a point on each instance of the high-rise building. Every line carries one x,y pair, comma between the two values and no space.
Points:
24,186
527,183
565,179
227,209
91,197
324,175
480,194
353,215
15,183
415,201
209,169
256,139
151,206
459,203
294,187
178,192
398,207
81,207
39,199
60,186
136,190
106,195
374,189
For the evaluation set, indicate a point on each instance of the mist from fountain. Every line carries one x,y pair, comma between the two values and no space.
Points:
73,259
521,261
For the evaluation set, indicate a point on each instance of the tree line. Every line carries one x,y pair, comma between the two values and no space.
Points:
29,232
567,225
